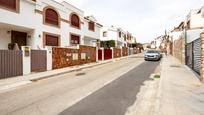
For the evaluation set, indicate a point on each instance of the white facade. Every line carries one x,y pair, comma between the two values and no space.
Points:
193,34
176,35
91,37
196,19
30,18
158,42
194,24
112,33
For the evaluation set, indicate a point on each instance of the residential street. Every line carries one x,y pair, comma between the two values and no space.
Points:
82,57
108,89
116,97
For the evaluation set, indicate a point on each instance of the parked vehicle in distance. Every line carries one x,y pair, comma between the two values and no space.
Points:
153,55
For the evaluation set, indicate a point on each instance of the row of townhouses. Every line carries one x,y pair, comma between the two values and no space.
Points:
187,39
40,23
40,35
122,38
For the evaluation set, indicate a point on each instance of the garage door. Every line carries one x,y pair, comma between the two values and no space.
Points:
190,55
196,55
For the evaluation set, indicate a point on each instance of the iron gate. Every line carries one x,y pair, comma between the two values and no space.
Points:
38,60
107,54
99,54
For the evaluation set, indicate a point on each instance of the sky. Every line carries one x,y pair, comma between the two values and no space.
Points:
145,19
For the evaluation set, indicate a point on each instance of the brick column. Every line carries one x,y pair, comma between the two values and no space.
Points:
112,52
202,56
97,54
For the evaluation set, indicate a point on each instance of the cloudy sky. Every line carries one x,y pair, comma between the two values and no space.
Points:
145,19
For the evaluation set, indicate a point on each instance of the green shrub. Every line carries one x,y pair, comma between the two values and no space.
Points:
108,44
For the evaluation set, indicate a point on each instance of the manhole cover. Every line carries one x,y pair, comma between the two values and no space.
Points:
79,69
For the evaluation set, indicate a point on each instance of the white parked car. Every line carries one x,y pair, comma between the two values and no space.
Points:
152,55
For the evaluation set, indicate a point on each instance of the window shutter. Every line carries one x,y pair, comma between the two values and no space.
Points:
52,40
51,17
8,3
91,26
75,20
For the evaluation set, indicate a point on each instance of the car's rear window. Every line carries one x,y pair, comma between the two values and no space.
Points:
152,51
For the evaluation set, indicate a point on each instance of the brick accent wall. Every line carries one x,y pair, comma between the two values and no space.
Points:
62,57
117,52
66,57
125,51
202,56
90,54
136,50
179,50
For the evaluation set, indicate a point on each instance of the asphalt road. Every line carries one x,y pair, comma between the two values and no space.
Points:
102,90
116,97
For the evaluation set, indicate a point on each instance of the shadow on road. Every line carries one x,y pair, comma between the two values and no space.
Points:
116,97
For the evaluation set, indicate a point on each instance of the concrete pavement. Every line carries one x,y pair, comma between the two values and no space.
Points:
180,91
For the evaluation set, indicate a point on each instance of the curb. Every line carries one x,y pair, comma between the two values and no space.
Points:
69,71
157,107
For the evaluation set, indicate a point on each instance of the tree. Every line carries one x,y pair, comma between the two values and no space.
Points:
108,44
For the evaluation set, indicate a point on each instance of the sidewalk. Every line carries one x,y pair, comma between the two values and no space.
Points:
10,83
180,91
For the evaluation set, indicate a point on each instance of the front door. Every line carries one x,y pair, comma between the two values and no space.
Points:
19,38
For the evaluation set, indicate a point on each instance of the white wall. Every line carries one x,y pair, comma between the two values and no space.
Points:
32,23
25,18
111,34
176,35
92,34
5,39
197,20
193,34
65,28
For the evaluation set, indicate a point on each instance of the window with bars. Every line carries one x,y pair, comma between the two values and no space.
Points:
51,17
75,21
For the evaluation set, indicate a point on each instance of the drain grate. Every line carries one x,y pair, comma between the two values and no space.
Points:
80,74
176,66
